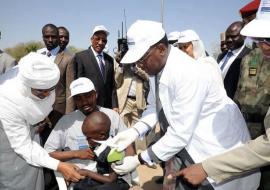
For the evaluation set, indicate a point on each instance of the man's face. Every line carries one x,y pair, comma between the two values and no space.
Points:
86,102
63,38
50,38
99,40
42,93
152,61
234,39
187,48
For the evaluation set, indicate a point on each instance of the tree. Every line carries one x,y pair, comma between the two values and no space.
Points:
21,49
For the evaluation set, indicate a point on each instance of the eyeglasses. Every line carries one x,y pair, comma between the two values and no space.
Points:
261,40
141,61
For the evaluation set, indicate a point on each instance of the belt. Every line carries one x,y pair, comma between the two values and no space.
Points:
132,97
253,117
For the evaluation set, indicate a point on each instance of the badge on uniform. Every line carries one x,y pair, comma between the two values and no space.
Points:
252,71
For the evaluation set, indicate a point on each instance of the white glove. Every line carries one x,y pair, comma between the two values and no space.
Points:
123,139
129,164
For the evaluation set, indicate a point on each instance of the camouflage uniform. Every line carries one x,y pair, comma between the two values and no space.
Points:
253,92
253,98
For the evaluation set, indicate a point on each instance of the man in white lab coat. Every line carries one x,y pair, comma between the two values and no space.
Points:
26,96
198,118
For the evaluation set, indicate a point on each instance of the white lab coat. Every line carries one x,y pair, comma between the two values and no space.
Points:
21,158
201,117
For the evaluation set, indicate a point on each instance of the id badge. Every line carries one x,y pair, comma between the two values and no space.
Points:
252,71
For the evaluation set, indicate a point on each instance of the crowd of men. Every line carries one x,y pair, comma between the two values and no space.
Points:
63,114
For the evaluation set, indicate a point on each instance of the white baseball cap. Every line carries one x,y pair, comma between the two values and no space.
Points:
100,28
140,37
172,36
260,26
80,86
188,36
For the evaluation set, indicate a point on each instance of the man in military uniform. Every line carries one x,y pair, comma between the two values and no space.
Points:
253,92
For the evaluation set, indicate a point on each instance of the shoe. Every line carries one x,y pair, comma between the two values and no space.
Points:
159,180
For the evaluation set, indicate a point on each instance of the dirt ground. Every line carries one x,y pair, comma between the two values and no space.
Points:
148,177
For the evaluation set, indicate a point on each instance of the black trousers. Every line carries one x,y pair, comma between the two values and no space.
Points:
88,183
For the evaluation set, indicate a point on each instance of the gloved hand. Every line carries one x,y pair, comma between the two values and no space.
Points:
129,164
123,139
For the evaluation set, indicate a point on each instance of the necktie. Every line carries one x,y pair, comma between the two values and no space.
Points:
48,54
228,55
161,116
101,66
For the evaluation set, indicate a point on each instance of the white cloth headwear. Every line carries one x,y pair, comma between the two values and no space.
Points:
38,71
193,37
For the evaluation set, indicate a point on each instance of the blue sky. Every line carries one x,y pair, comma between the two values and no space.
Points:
22,20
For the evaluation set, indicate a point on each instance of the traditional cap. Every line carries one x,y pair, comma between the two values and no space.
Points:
222,36
173,36
188,36
140,37
80,86
260,26
250,8
38,71
101,28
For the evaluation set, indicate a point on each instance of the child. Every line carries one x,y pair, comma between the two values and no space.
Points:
96,127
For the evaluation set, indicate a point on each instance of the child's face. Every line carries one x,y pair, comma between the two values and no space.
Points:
100,135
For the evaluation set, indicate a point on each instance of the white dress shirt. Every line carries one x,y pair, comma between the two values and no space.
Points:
230,61
53,52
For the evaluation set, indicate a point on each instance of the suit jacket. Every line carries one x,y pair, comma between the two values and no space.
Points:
232,76
63,104
254,154
86,65
123,80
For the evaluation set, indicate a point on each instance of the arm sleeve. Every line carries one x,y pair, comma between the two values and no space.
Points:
69,78
254,154
56,139
78,67
19,136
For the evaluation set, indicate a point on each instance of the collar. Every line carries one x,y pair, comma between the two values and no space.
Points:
237,51
95,53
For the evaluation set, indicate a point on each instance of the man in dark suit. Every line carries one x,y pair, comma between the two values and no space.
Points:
98,66
230,61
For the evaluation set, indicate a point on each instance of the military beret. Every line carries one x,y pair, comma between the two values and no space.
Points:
250,8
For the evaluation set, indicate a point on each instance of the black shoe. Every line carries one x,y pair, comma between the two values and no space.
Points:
159,180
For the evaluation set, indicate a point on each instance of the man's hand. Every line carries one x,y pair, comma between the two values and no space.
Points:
84,154
116,110
123,139
129,164
193,174
69,171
